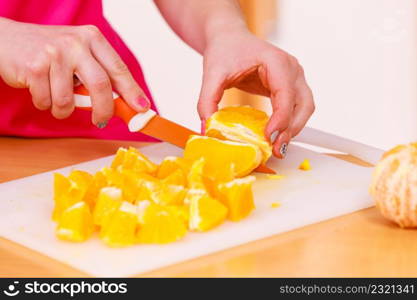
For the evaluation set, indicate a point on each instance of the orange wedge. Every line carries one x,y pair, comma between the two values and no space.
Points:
241,124
218,154
75,223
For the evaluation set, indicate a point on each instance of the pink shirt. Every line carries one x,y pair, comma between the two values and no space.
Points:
18,115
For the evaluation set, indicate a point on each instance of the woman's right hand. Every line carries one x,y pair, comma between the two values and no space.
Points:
45,59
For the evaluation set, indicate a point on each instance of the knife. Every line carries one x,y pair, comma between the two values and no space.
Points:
148,122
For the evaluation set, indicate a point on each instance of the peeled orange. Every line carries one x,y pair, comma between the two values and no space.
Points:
241,124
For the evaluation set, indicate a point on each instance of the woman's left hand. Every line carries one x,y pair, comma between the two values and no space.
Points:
246,62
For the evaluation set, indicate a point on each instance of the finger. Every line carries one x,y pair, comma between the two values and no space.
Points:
278,78
120,76
211,93
62,89
39,88
304,107
280,147
98,84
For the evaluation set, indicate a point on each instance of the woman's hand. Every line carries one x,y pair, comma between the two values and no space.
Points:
239,59
46,58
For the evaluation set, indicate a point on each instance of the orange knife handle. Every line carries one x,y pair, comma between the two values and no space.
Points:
135,121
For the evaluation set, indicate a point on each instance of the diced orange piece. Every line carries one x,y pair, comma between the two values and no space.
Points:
175,178
237,196
109,200
205,211
120,229
160,224
163,194
171,164
75,223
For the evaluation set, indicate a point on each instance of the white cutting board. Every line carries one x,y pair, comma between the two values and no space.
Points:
332,188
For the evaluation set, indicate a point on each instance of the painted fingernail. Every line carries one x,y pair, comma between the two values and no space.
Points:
283,149
143,102
203,127
274,136
101,125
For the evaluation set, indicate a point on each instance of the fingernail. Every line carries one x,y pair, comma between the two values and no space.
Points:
203,127
283,149
101,125
143,102
274,136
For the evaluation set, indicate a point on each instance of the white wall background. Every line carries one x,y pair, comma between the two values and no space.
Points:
360,58
172,69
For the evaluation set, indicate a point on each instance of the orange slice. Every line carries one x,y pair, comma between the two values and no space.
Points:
160,224
120,229
237,196
219,154
109,200
241,124
75,223
205,211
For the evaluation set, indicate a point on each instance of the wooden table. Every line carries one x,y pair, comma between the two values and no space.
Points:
358,244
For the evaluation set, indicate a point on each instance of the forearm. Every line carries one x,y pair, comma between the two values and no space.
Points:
198,22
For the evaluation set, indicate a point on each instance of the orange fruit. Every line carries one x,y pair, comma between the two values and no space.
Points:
120,228
109,200
205,211
218,154
237,196
170,164
241,124
75,223
394,185
160,224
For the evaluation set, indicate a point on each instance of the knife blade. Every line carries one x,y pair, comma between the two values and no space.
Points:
148,122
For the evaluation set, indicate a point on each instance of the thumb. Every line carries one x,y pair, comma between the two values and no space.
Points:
211,93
